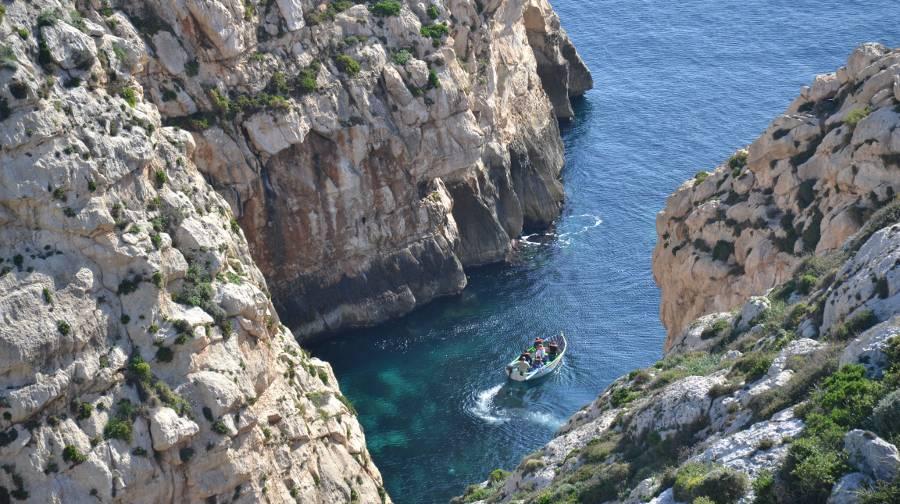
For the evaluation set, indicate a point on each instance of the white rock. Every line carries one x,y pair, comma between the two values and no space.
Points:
846,490
168,429
68,46
869,347
872,455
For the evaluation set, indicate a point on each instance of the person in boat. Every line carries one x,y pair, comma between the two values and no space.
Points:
552,352
540,353
526,356
522,366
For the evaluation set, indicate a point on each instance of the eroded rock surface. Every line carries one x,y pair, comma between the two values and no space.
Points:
370,156
803,187
141,359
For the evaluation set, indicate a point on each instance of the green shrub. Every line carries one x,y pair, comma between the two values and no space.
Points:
192,68
622,396
347,64
721,484
139,369
119,426
737,162
703,500
854,326
433,81
48,298
886,415
306,80
130,96
848,397
605,484
883,492
498,476
715,329
531,465
433,11
164,354
85,410
219,427
186,453
435,32
814,468
72,454
385,8
764,488
48,18
475,493
401,57
160,178
857,115
63,327
699,177
751,366
806,283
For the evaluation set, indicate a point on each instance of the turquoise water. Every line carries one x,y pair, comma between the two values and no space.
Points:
679,86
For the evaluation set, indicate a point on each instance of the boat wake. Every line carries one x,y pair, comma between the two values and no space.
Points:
580,223
485,408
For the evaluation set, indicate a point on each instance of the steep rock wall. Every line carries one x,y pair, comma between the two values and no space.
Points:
803,187
365,191
141,359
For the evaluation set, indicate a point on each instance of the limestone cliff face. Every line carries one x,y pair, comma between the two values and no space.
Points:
141,359
370,151
803,187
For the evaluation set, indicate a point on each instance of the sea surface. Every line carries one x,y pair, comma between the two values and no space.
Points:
678,87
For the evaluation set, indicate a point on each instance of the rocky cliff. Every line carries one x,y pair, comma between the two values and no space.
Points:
141,359
803,187
794,396
370,151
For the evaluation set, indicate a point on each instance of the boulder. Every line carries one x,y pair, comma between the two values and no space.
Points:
168,429
846,490
869,347
68,47
872,455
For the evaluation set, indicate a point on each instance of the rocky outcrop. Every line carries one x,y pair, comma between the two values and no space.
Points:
803,187
142,360
371,151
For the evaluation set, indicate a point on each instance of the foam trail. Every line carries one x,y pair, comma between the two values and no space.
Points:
482,407
542,418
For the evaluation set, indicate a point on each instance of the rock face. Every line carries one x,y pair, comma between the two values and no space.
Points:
369,154
803,187
142,360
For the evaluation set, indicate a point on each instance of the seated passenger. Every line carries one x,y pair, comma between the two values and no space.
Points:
522,366
552,351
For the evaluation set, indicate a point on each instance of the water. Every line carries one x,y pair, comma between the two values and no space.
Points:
679,86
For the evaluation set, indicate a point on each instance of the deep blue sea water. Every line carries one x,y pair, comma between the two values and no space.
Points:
679,86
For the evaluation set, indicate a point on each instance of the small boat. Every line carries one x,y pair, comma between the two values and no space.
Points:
544,370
